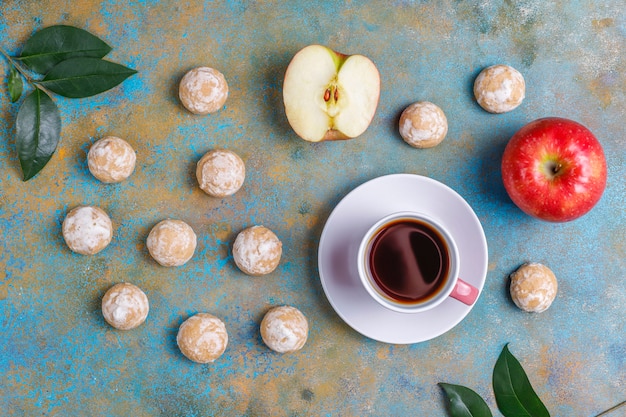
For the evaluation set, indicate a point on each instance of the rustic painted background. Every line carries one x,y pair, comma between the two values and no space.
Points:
59,358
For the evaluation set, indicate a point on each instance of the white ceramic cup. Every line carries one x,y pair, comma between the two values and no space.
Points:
450,284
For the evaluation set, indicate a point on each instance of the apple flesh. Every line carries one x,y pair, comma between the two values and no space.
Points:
328,95
554,169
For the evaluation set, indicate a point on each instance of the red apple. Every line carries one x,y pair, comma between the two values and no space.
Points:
554,169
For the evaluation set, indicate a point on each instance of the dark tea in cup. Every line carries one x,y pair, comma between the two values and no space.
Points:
408,262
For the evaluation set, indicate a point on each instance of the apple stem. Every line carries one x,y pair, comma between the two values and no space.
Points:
552,168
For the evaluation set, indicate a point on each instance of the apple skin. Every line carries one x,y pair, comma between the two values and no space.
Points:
554,169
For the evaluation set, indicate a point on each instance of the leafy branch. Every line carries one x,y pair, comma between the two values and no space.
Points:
66,61
15,83
514,394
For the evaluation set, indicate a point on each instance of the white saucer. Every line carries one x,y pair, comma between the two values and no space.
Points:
339,243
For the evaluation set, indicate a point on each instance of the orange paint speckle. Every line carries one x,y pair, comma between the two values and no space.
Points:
4,291
61,153
602,91
603,23
383,353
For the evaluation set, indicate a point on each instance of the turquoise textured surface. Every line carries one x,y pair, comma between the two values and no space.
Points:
58,357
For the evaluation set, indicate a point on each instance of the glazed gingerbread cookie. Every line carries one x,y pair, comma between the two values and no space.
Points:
171,242
284,329
423,125
257,250
202,338
203,90
220,173
87,230
111,159
125,306
499,88
533,287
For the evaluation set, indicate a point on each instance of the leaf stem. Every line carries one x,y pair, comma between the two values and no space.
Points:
17,66
610,410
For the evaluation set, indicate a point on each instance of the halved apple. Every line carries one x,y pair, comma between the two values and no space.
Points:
328,95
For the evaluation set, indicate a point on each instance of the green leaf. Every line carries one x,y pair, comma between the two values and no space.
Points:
85,77
514,394
15,84
54,44
38,129
463,402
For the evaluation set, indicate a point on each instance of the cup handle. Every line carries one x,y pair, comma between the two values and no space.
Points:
464,292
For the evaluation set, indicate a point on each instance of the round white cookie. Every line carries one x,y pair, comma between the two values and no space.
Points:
220,173
423,125
284,329
499,88
125,306
202,338
533,287
257,250
87,230
171,242
203,90
111,159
